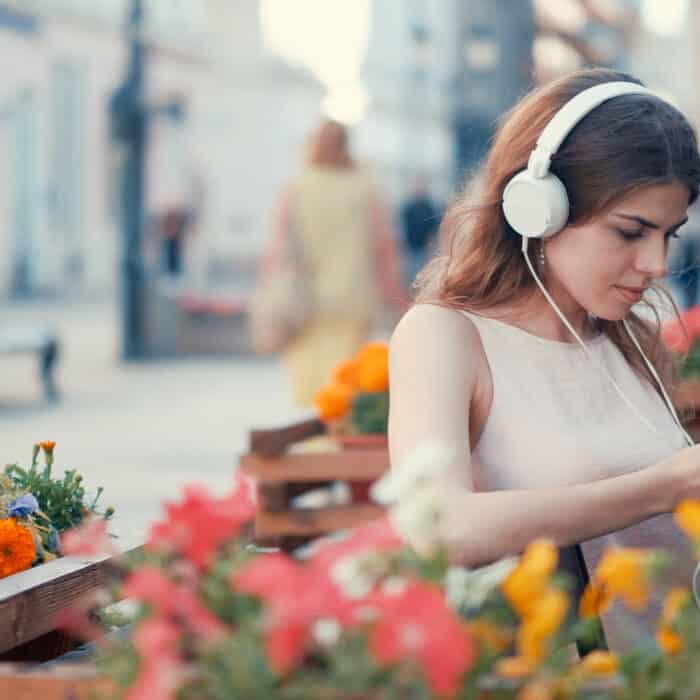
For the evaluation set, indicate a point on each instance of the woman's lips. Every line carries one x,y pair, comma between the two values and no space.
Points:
631,295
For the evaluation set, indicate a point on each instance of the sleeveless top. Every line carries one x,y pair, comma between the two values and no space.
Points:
330,213
557,420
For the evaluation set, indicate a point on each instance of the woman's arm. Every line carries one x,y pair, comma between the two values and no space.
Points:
435,359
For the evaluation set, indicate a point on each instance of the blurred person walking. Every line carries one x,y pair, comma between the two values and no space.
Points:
336,215
420,220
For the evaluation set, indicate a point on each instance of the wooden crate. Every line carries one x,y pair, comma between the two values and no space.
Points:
283,471
69,682
31,600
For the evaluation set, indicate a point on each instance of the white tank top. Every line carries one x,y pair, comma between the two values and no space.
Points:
556,420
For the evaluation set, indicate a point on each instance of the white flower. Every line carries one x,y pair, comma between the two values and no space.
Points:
394,585
421,466
352,577
469,588
326,631
418,519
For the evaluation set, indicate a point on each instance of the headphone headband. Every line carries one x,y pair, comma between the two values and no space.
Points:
570,115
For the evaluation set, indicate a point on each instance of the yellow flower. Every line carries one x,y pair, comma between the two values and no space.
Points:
17,549
514,667
373,367
600,663
623,573
538,689
542,624
594,601
666,636
333,401
489,635
687,516
668,640
529,580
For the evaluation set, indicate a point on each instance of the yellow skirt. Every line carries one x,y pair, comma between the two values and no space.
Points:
312,357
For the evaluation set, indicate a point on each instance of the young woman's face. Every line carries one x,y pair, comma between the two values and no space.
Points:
604,265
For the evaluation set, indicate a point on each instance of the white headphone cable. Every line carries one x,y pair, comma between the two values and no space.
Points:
565,321
652,370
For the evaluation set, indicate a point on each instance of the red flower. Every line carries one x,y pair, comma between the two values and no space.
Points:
171,600
377,536
161,668
417,624
88,539
296,597
197,526
680,335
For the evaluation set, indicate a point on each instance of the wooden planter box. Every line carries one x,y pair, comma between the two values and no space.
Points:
69,682
283,470
30,601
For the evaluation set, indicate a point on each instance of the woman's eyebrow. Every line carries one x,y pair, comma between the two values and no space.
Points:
645,222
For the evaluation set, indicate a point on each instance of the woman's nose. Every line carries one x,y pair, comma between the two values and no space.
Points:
652,258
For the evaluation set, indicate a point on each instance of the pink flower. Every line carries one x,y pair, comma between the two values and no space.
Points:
418,624
88,539
377,536
161,670
169,599
296,597
198,525
680,335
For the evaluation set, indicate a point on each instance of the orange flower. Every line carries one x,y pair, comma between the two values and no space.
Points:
346,373
526,584
666,636
594,601
600,663
687,516
333,401
623,573
546,618
17,549
373,367
490,635
514,667
48,445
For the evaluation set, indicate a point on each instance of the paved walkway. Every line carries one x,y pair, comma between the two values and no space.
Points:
141,430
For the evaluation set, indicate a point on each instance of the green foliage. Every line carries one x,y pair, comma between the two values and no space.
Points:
690,364
64,501
370,412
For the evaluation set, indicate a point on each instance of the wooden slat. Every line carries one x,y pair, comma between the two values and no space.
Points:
69,682
30,599
272,443
315,521
351,465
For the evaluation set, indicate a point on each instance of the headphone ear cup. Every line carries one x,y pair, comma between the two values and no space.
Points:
535,207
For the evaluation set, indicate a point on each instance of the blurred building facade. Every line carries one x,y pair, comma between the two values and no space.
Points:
58,202
437,73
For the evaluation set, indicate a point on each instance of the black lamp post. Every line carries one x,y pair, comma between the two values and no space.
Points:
129,127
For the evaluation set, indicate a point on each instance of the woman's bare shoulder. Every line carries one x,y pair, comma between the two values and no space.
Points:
431,322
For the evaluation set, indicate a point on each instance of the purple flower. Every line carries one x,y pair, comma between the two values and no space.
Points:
21,507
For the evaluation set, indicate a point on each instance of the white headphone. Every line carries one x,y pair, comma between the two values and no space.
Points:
535,202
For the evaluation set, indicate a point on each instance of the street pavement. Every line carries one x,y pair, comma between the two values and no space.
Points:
141,430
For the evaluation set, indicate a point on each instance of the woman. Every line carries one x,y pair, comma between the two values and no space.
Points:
349,249
554,441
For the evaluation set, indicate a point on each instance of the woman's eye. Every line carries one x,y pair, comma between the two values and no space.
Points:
672,234
629,235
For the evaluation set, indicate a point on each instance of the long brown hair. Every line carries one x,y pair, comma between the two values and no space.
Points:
630,142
